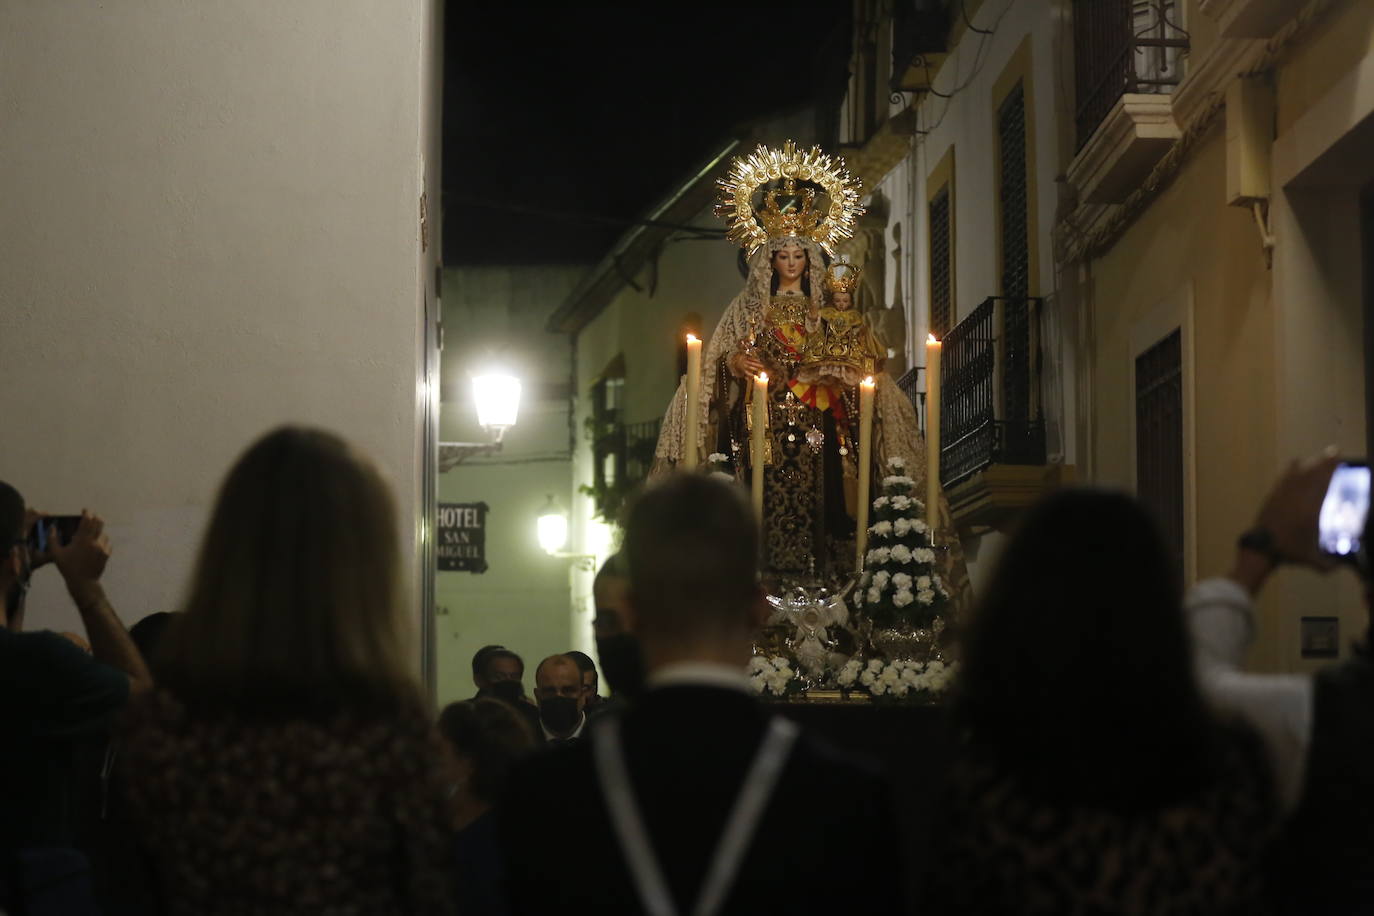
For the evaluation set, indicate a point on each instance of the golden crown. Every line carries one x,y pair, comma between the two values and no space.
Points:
788,210
842,277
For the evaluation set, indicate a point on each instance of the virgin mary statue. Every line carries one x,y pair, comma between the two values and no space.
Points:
793,321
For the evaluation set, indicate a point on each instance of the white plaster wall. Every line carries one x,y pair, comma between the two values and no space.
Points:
210,227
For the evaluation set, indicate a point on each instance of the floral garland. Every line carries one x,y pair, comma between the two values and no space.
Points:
773,677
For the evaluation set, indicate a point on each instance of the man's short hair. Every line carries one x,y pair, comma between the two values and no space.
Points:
481,661
692,546
615,567
557,661
11,516
582,660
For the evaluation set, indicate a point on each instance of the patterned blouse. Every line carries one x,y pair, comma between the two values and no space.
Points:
337,817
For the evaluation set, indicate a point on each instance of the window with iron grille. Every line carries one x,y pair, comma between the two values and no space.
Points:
1012,212
941,266
1159,437
1123,46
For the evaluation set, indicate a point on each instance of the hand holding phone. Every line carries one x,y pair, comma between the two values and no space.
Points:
1344,512
48,528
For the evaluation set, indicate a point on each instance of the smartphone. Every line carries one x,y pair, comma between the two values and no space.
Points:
1340,526
63,525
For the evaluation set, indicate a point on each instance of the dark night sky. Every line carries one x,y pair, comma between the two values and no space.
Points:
599,110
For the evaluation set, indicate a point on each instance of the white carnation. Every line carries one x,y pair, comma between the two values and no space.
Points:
897,463
898,481
919,526
925,596
923,582
782,664
924,555
874,596
902,598
756,683
890,675
880,529
880,502
901,527
901,503
875,665
910,675
902,581
878,688
716,458
901,553
867,678
900,689
880,578
878,555
757,664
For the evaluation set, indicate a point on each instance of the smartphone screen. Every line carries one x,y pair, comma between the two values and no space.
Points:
1344,511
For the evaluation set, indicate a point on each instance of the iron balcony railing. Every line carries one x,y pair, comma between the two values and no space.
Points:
990,410
1123,46
622,457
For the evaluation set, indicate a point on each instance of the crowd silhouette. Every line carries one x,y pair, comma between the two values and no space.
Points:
267,747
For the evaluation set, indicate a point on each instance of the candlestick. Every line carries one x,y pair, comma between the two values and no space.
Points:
865,467
757,453
690,433
933,347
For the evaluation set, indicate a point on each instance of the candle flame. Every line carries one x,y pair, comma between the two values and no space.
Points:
931,339
691,338
869,381
763,377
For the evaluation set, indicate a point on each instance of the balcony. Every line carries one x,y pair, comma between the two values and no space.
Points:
992,423
1128,60
622,454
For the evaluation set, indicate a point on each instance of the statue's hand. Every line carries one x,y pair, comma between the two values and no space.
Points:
742,364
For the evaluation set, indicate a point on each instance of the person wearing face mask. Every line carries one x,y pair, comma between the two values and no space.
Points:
558,690
55,693
621,660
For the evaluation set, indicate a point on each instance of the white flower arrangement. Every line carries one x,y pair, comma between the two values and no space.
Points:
923,582
919,526
902,580
716,458
923,555
926,597
901,553
878,555
771,675
898,481
902,597
901,678
881,577
901,527
882,529
896,464
874,594
880,502
901,503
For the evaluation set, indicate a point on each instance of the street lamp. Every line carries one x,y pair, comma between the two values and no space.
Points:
551,527
497,397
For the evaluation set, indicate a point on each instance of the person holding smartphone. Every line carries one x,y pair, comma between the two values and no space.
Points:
1320,728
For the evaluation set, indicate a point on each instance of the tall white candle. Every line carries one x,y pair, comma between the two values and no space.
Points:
933,434
865,468
690,431
758,453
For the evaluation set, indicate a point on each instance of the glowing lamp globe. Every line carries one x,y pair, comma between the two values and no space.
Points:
552,527
498,401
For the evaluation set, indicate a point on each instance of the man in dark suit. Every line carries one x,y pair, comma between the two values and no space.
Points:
698,792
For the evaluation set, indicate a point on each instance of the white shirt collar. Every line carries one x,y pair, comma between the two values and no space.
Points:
699,674
576,732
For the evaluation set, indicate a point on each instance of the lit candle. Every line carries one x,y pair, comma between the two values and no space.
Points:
757,452
932,435
690,432
865,467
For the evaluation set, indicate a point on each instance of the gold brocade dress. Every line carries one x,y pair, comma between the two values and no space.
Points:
811,453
